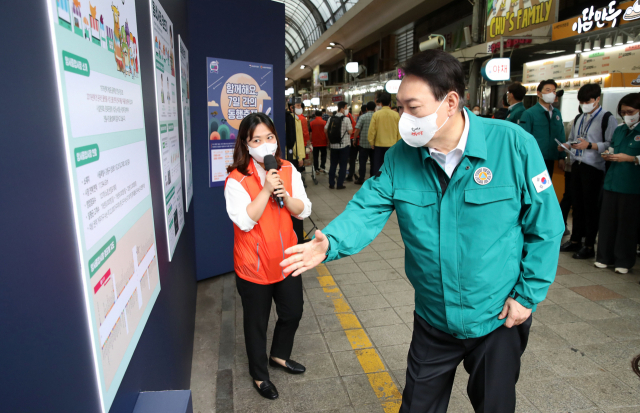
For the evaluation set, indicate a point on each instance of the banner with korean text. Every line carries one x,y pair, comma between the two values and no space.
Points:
98,72
234,90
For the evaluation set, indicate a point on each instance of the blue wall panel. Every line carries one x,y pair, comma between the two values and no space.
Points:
249,30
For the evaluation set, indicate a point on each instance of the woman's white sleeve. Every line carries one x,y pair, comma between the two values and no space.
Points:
299,193
237,200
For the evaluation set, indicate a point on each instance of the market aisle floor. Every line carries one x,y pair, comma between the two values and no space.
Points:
357,326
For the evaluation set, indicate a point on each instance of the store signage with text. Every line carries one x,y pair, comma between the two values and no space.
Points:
497,69
338,98
593,19
324,76
507,17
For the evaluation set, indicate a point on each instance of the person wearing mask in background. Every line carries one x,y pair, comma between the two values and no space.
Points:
544,122
295,149
515,94
383,131
262,230
319,142
353,150
338,131
481,225
304,124
620,212
592,130
378,104
503,111
476,110
325,115
362,132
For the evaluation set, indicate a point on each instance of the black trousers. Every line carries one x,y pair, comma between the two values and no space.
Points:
492,361
378,159
550,165
256,307
319,150
618,229
586,185
353,155
567,199
339,157
364,155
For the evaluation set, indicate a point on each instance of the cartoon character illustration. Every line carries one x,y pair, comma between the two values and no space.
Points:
173,69
161,88
118,41
632,12
636,82
77,18
214,113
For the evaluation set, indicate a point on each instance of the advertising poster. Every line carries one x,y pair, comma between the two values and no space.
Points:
98,71
234,90
185,103
163,38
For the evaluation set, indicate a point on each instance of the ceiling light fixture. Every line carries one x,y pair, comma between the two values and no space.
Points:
619,40
303,66
587,46
596,44
579,47
608,41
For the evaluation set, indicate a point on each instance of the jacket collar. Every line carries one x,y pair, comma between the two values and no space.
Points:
476,140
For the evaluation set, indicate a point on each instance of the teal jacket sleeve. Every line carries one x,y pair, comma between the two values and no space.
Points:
542,226
365,215
526,122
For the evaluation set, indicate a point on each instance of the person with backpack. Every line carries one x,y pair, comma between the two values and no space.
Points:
338,130
591,135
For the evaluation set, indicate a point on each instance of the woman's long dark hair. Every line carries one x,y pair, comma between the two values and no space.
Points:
241,157
632,99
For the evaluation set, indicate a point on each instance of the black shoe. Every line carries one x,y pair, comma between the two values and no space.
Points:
570,246
266,389
342,187
584,253
359,182
357,177
292,367
349,178
331,187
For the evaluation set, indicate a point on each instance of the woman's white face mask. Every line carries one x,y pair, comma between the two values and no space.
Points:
632,119
263,150
418,132
298,111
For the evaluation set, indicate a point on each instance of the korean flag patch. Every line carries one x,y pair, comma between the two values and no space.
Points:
542,181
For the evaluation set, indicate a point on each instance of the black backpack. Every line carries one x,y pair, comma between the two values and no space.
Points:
335,129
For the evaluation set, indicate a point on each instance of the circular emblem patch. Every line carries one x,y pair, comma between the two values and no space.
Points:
557,117
637,138
482,176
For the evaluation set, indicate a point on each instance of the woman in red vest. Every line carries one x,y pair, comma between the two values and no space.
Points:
262,232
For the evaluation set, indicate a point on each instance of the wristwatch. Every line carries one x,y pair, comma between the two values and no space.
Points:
590,146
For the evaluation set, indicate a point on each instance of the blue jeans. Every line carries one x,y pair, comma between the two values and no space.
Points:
338,156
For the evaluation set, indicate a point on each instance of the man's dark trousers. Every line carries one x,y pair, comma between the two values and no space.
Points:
567,198
492,361
317,152
338,157
353,155
378,158
364,155
586,185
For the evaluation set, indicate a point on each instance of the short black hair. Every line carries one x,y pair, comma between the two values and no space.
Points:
632,99
335,111
318,113
371,105
545,83
324,111
384,98
302,105
440,70
363,109
341,105
517,90
588,92
290,104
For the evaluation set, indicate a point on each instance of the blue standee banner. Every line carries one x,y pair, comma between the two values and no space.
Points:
235,89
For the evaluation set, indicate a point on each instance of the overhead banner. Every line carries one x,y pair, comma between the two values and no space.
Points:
185,102
509,17
562,67
163,37
234,90
593,19
98,71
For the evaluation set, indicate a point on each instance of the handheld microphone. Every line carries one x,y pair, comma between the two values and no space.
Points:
269,164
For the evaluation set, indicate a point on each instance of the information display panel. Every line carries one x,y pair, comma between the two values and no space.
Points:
98,72
562,67
234,90
163,37
185,103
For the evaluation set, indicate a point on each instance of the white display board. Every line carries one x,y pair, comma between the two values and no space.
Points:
185,103
163,39
624,59
97,66
562,67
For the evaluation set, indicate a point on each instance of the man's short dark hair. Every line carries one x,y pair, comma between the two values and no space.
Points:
318,113
545,83
517,90
440,70
363,109
302,105
290,104
588,92
384,98
371,105
632,99
324,111
341,105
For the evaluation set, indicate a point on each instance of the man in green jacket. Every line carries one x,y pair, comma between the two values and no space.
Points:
481,225
544,122
515,94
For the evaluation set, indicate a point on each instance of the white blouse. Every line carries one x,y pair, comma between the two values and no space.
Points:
238,198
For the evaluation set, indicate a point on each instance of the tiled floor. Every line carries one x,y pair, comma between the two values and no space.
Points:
582,341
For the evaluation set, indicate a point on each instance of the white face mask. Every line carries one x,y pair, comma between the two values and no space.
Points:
378,108
263,150
588,107
632,120
298,111
549,97
346,112
476,112
418,132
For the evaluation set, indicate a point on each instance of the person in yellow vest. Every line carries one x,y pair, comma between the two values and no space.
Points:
262,231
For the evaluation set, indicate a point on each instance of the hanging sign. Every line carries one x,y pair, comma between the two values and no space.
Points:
498,69
509,17
593,19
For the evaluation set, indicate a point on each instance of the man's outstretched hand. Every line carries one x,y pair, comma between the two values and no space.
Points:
515,313
306,256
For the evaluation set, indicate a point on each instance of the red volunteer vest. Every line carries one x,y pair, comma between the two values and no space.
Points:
257,254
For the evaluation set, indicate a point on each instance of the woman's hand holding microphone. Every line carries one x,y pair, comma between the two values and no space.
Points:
274,185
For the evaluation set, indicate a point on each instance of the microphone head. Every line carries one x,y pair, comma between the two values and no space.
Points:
270,162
